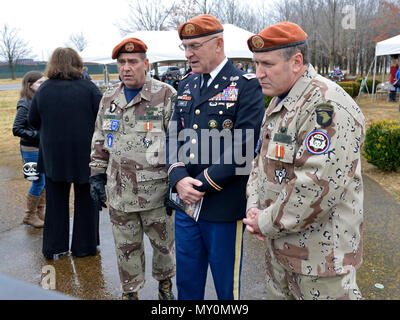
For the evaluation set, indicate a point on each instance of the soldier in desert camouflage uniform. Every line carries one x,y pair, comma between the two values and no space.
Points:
305,192
128,152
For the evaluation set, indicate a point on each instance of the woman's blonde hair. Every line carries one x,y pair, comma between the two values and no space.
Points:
66,64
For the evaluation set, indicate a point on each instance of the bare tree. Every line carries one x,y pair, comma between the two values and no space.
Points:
204,6
77,41
184,11
147,15
12,47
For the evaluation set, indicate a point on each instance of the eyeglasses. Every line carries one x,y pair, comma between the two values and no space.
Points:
194,46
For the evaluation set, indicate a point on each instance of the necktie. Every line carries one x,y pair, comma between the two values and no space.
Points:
206,77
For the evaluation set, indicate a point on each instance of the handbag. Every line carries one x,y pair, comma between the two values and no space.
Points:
396,84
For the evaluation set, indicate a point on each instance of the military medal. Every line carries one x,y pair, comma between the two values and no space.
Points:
212,124
227,124
148,126
279,153
147,142
280,174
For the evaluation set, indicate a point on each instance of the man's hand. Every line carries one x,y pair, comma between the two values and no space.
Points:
251,222
186,192
98,190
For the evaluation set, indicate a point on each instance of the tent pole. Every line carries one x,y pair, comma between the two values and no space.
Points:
384,69
373,82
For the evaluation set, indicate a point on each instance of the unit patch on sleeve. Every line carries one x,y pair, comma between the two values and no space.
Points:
324,114
317,142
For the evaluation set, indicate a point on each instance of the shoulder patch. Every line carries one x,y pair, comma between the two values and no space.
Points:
249,76
324,114
317,142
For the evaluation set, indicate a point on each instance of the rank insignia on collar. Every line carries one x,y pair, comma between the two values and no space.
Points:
324,114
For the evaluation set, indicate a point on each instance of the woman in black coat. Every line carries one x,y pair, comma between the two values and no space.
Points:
29,147
64,109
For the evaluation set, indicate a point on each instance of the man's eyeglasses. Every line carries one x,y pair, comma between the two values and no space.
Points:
194,46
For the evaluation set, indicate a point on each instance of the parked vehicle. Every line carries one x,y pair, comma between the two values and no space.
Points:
164,70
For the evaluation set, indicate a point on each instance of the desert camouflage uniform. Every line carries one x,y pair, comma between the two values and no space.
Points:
306,179
128,144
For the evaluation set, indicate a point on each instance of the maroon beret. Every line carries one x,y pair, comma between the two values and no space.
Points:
200,26
130,45
278,36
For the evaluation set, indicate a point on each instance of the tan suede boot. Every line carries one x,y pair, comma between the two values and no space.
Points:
41,205
31,217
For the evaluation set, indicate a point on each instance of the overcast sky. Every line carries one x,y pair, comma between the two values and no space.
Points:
47,24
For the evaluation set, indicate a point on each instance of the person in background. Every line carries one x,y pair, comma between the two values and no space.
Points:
239,66
394,66
169,80
86,73
64,109
29,148
305,192
175,83
128,151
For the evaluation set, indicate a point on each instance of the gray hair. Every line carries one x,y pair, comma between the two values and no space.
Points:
289,52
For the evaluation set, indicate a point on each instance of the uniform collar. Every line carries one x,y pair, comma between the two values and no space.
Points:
295,93
145,93
217,70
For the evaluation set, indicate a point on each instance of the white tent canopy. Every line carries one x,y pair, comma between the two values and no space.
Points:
386,47
164,46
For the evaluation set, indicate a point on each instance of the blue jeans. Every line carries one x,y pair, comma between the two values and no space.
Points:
37,186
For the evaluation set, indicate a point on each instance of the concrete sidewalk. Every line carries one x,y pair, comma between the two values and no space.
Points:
97,277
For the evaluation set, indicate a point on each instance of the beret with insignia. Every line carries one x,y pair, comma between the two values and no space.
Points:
278,36
200,26
130,45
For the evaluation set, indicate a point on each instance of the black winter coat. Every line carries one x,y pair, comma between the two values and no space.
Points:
65,111
21,127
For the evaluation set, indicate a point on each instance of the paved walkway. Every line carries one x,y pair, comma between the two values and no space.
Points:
97,277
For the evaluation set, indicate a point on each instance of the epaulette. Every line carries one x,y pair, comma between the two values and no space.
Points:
249,76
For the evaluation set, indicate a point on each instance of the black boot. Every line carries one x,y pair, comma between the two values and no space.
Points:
165,290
